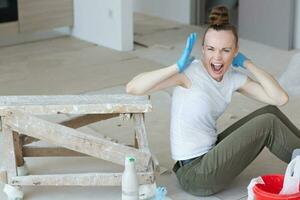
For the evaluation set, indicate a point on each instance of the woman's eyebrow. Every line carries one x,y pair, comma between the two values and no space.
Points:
222,48
227,48
210,46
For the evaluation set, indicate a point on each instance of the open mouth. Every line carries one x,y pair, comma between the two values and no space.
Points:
217,68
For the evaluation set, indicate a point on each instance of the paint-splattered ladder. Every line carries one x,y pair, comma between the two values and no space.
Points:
21,125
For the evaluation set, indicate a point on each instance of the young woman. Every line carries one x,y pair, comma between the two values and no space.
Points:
206,161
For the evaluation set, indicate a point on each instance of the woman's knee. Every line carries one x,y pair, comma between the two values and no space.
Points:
264,120
270,109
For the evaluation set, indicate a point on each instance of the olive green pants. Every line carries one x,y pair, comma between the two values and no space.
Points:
237,147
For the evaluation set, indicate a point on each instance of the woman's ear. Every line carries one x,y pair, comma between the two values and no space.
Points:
236,51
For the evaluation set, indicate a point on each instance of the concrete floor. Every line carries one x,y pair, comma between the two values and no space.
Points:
69,66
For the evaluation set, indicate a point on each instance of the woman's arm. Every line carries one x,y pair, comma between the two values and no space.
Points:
265,89
166,77
155,80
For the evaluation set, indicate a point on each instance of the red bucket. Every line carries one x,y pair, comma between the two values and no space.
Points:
270,190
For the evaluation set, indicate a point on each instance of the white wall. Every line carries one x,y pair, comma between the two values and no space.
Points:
297,25
105,22
177,10
267,21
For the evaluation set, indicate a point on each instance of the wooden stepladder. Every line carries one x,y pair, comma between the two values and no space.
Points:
21,125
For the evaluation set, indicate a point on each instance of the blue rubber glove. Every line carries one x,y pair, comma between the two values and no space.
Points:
238,60
185,59
160,193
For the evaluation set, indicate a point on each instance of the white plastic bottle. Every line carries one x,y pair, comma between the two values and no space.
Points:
130,185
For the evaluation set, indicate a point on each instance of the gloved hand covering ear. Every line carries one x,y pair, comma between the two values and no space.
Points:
185,60
238,60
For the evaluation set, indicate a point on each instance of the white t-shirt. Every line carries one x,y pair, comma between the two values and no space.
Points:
195,110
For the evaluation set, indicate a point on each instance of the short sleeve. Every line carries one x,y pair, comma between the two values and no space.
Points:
190,71
239,79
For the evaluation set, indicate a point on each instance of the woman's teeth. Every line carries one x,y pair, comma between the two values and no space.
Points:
216,67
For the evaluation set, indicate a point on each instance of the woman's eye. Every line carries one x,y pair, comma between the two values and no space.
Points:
210,49
226,50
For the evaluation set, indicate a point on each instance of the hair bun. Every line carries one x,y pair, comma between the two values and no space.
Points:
219,15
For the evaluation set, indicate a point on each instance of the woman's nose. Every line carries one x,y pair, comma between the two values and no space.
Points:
217,55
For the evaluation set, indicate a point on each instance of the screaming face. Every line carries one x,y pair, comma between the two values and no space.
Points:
218,51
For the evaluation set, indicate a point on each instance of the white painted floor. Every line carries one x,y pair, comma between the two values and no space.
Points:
70,66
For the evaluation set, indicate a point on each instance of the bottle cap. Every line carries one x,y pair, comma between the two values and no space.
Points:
130,159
